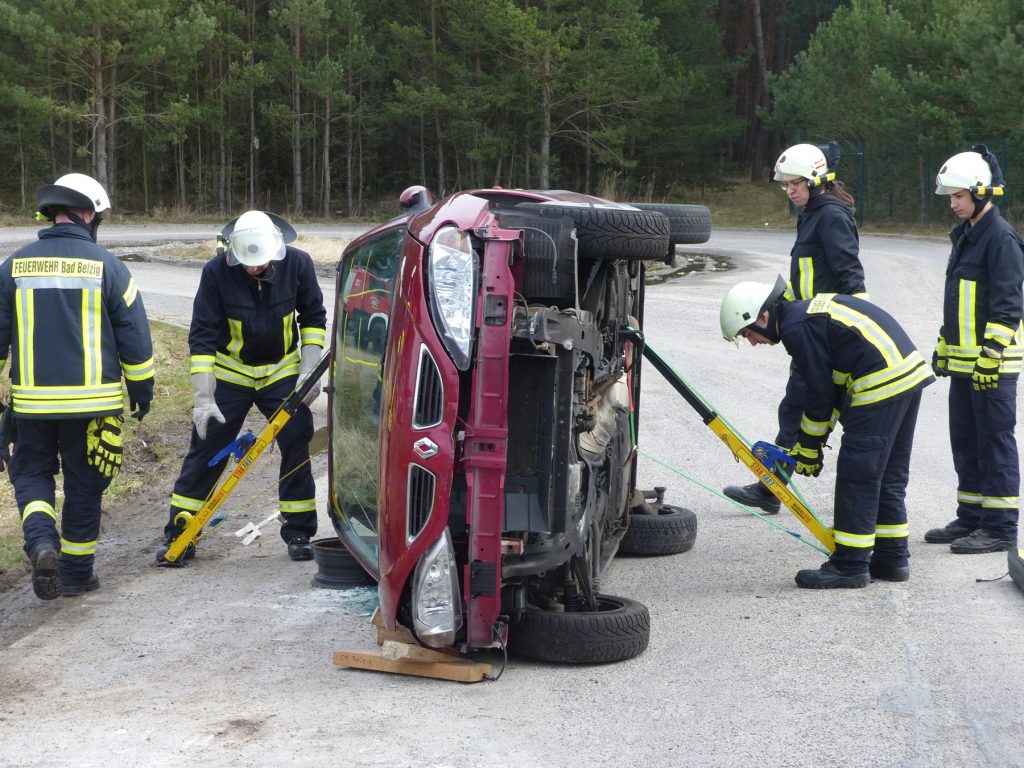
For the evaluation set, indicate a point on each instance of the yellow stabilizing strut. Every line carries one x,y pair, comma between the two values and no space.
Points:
781,491
194,529
738,446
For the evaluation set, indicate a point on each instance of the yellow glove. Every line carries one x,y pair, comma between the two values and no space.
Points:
103,445
939,359
809,459
986,371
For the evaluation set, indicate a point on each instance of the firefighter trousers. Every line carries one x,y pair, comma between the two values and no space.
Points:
981,432
872,472
43,448
296,487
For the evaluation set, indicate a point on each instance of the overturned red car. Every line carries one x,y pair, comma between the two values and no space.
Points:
483,431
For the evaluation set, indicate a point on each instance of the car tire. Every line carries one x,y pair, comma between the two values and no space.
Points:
620,629
1016,565
336,568
688,224
672,531
613,233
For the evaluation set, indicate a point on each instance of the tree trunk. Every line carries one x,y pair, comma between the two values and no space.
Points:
297,123
759,137
349,146
99,127
545,108
327,157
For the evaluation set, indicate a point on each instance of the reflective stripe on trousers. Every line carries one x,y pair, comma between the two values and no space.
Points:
981,432
34,467
872,472
296,492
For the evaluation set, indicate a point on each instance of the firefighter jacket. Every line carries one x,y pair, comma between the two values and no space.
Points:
826,255
248,331
982,304
843,347
73,320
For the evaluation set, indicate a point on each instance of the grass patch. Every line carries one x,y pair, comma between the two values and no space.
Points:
152,447
740,204
325,251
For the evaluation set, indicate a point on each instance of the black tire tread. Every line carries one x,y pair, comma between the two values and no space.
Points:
670,533
614,233
688,224
583,637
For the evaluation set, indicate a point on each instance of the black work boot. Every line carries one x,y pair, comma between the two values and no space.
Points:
183,558
754,495
948,533
888,570
830,577
45,579
299,548
979,542
89,585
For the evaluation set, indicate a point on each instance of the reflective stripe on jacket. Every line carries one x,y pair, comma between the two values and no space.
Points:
841,344
826,255
248,331
74,322
983,300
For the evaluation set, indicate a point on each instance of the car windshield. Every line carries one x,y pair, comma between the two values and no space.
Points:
360,334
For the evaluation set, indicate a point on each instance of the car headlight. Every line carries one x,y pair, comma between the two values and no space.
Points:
453,288
436,602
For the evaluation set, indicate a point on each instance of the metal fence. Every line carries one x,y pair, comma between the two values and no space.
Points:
893,186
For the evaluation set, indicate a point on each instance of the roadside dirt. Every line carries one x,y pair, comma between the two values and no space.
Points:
163,664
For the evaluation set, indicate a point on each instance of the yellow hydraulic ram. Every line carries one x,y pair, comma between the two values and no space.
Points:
194,529
736,444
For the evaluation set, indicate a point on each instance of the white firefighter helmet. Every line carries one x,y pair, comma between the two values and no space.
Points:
253,239
745,302
72,190
802,161
967,170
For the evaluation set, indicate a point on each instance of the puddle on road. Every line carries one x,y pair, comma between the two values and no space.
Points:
177,252
686,263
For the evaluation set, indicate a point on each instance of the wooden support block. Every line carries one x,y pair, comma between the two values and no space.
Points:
398,635
464,671
393,650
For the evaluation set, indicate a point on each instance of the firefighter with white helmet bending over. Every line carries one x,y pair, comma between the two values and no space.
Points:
258,325
824,259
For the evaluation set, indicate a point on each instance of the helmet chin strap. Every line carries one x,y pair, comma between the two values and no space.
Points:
771,329
91,227
266,276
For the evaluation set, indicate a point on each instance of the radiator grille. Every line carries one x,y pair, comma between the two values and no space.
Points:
429,403
420,500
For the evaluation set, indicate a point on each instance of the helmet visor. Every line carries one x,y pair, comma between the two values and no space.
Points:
256,247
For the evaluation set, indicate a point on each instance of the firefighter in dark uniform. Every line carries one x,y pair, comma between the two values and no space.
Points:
258,324
824,259
980,348
73,321
860,367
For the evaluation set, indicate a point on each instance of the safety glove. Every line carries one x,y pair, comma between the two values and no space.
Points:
103,444
204,385
7,434
986,369
939,358
808,455
139,409
310,356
